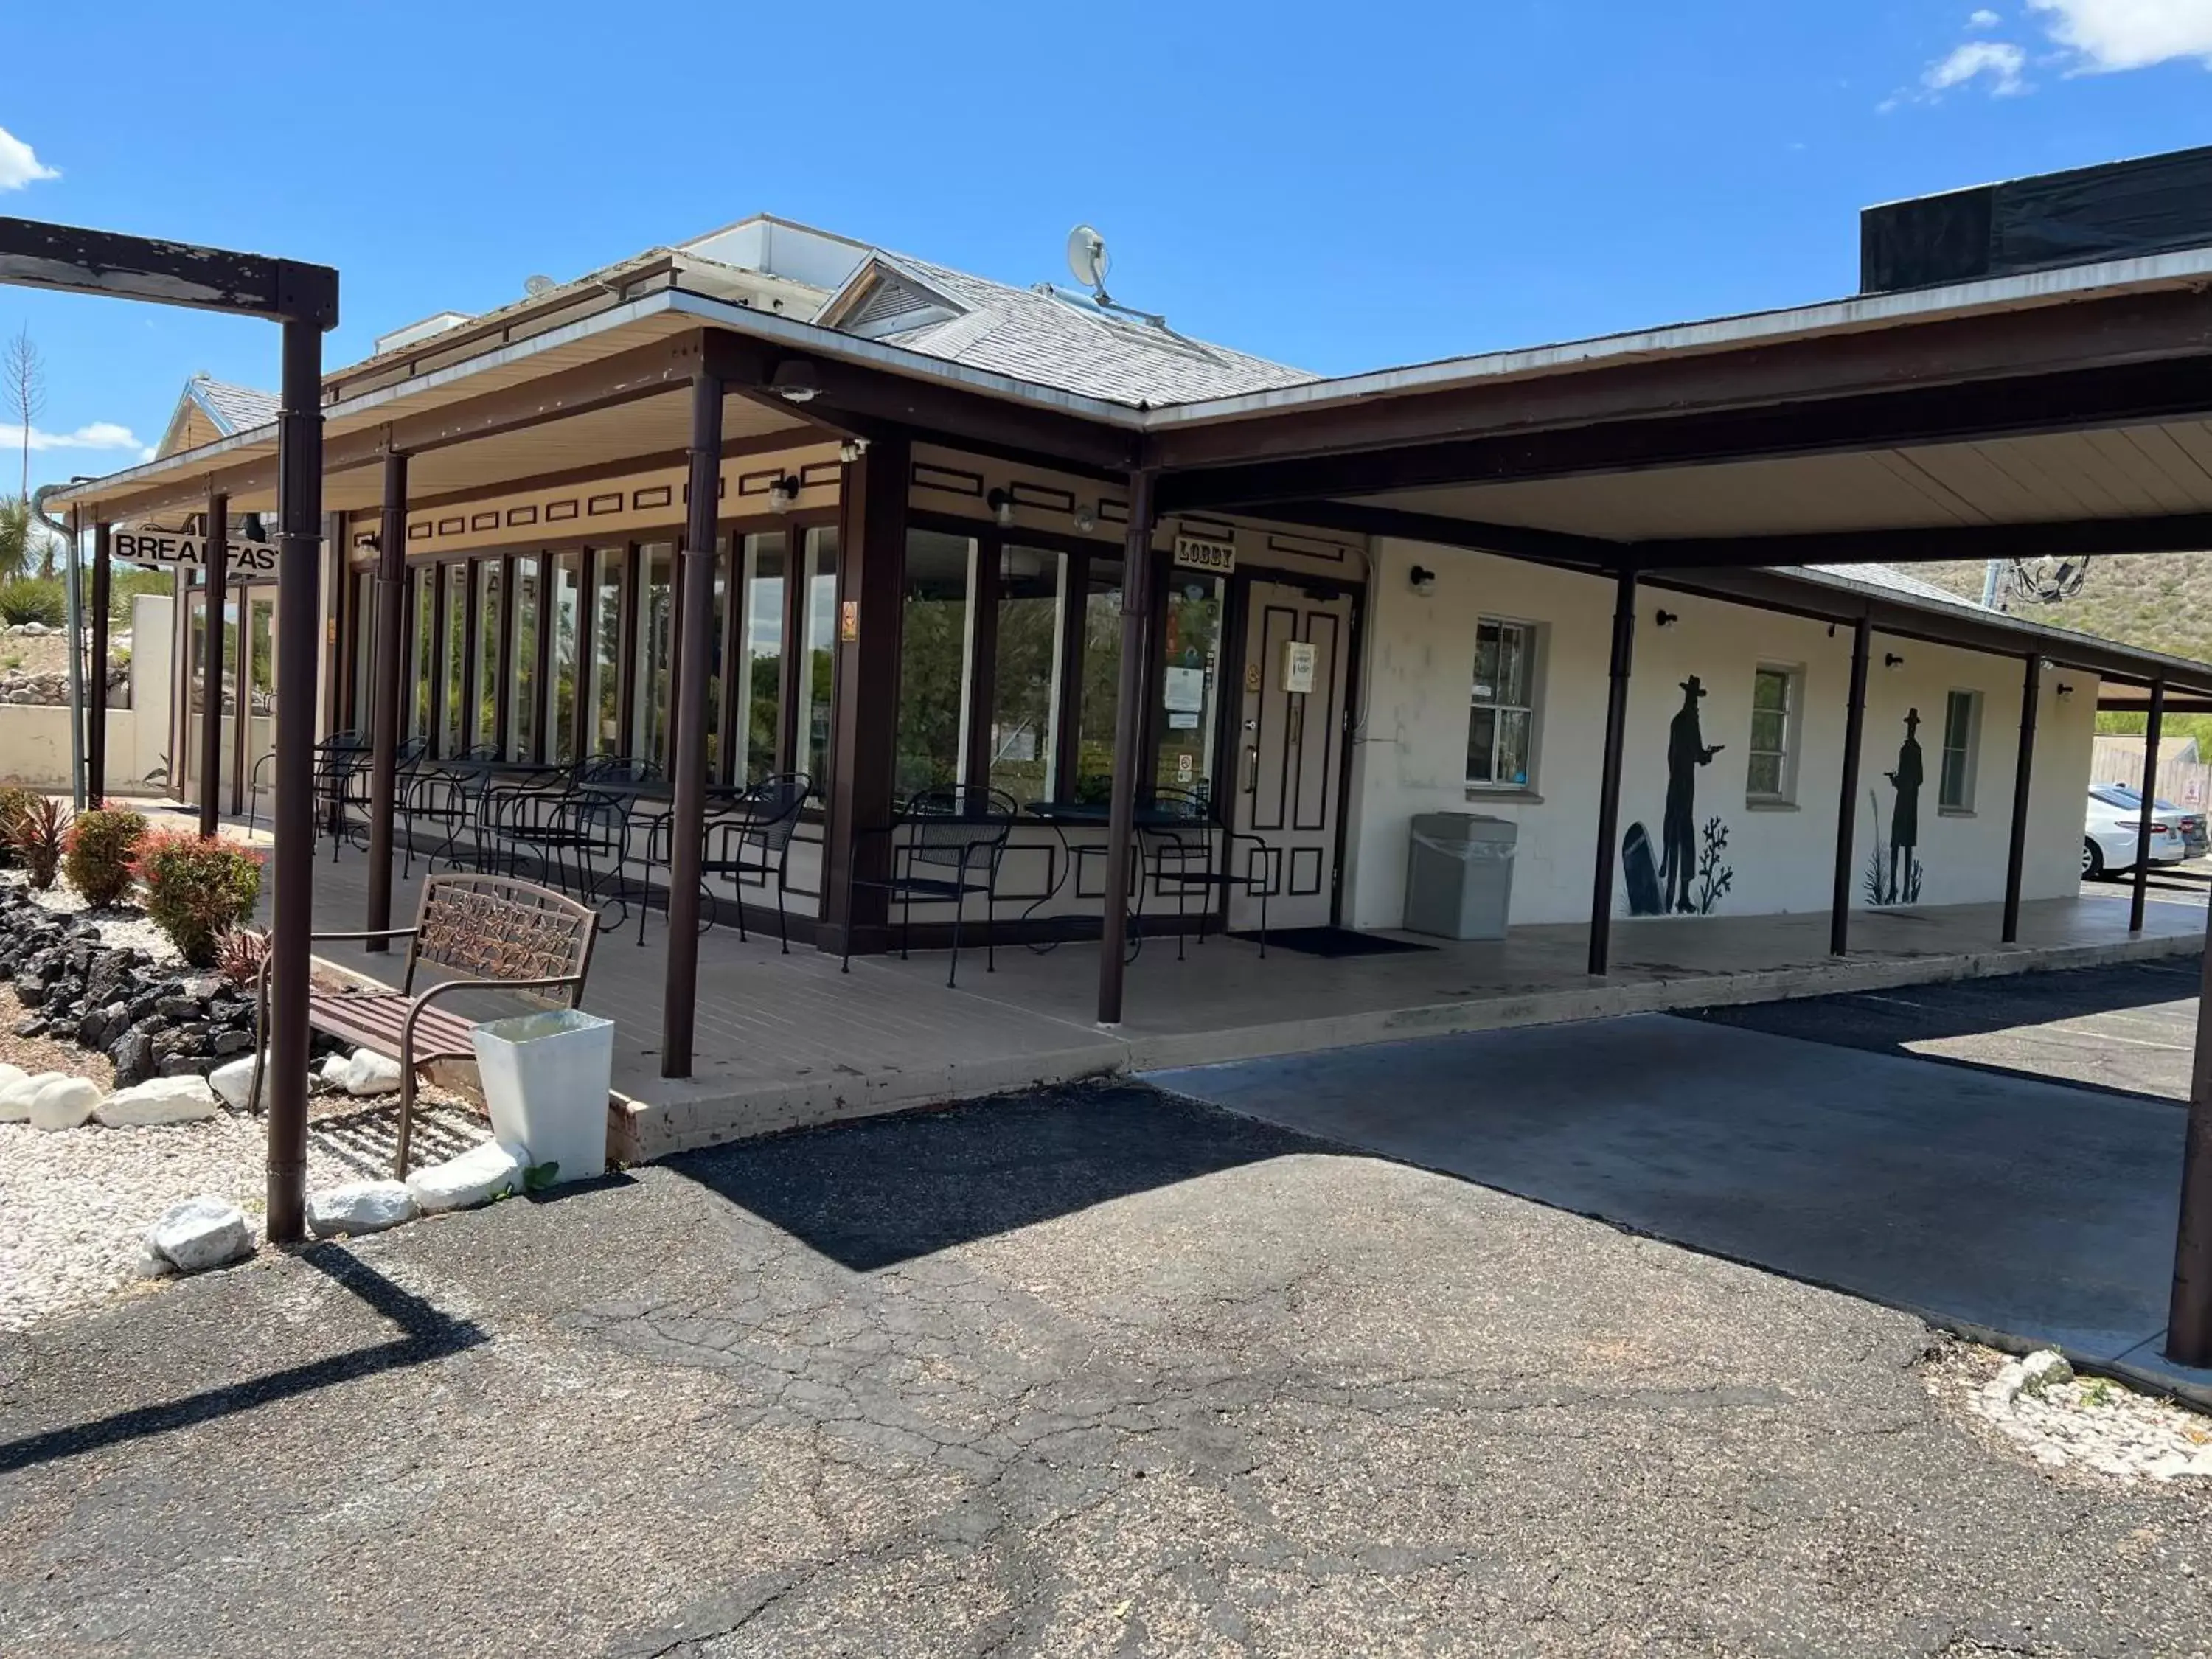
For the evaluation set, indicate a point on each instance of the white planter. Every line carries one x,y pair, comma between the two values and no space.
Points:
546,1079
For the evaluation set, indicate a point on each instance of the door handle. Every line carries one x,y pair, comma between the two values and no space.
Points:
1251,770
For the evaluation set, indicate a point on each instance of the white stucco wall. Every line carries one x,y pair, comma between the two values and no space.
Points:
1411,748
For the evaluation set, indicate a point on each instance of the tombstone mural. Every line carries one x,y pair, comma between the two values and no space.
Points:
1691,874
1892,874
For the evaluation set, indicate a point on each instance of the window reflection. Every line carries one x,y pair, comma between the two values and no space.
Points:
1025,682
933,641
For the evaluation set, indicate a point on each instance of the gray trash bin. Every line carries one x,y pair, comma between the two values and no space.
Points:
1459,875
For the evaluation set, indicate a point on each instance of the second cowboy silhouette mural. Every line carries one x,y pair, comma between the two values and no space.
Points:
1892,874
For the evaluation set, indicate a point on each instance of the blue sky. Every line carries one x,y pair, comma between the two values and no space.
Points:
1338,187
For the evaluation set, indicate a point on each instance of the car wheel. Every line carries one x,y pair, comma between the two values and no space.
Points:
2092,859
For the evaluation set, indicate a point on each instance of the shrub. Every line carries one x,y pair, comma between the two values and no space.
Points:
13,800
196,888
101,845
34,599
240,953
35,832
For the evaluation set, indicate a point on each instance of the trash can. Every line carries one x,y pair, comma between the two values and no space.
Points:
546,1079
1459,875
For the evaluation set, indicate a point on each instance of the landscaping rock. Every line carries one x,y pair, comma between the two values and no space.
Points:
133,1054
369,1072
232,1043
2043,1369
200,1233
64,1103
359,1206
15,1097
11,1075
234,1083
477,1176
160,1100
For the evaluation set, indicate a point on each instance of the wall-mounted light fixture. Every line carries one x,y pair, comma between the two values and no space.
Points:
1666,618
794,382
1086,517
1422,579
2065,690
783,492
1001,503
1890,659
852,449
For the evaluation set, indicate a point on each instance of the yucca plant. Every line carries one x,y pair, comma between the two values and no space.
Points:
35,832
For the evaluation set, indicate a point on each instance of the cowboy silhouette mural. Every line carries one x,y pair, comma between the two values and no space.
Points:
1686,750
1894,877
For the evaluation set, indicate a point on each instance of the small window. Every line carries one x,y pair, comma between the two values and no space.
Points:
1502,718
1774,698
1962,742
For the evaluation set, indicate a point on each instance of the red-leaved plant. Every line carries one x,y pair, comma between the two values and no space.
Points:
196,888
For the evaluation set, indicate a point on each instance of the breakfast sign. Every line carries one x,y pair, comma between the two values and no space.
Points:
246,557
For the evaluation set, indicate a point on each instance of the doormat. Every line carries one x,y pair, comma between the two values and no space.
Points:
1333,942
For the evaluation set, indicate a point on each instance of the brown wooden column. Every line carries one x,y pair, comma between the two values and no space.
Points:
95,687
864,695
383,690
695,574
2189,1314
1847,808
218,574
1622,661
2023,775
1130,725
299,649
2151,731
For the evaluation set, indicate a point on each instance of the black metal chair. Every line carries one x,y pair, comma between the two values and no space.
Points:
1177,829
337,758
576,815
445,792
747,839
961,834
1172,853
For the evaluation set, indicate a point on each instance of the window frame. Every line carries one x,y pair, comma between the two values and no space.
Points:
1792,716
1970,754
1534,653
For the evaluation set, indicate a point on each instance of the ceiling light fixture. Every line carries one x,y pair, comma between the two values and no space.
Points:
794,382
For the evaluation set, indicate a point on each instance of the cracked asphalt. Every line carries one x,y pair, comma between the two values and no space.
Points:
1092,1371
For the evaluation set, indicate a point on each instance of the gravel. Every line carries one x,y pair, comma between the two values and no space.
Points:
2090,1425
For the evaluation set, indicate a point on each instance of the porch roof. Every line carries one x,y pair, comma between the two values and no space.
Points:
1765,457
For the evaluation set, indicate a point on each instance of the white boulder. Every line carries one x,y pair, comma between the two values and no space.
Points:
369,1072
200,1233
2045,1369
477,1176
64,1103
185,1099
10,1076
359,1206
233,1081
15,1097
334,1069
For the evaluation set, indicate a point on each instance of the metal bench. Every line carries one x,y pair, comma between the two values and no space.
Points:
500,934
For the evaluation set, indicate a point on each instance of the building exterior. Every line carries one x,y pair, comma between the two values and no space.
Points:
1683,665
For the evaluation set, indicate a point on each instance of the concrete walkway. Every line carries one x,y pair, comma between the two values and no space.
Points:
2002,1205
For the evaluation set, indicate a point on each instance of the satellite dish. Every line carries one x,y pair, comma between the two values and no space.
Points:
1087,257
534,286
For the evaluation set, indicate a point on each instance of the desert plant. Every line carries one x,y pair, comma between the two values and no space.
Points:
195,889
239,954
99,851
14,799
35,832
34,599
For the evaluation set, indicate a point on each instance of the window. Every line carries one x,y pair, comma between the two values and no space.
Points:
1190,682
654,643
933,652
453,692
1100,694
760,680
1026,684
820,658
524,717
1772,771
1502,720
1962,740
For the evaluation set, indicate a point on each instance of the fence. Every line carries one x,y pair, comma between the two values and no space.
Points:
2182,778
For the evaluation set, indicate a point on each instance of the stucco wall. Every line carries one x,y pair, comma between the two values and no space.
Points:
1411,753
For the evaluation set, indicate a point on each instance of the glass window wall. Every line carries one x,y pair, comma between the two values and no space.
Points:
815,676
1190,663
935,640
1025,679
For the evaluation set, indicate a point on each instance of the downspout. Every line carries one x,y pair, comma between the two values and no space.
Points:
76,624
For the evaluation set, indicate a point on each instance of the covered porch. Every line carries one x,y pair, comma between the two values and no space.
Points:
783,1042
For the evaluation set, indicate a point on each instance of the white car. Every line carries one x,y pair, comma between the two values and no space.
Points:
2108,843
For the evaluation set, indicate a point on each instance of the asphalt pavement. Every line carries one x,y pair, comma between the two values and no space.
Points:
1091,1371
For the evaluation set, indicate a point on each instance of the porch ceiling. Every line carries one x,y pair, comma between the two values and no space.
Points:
2124,472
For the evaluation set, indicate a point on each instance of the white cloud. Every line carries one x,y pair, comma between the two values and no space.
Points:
1999,62
95,434
1984,19
2126,34
19,166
